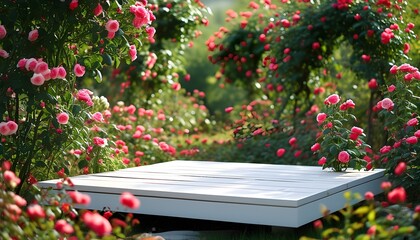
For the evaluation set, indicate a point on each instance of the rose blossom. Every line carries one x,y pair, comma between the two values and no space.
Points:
79,198
79,70
387,103
30,64
63,118
322,161
4,54
3,32
400,168
112,25
320,118
332,99
385,149
357,130
98,10
97,223
280,152
315,147
347,104
417,134
98,117
369,196
35,211
41,67
413,122
129,200
411,140
33,35
63,227
132,52
391,88
101,142
344,157
397,195
37,79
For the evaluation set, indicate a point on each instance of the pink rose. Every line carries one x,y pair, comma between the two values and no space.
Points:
98,10
79,70
35,211
97,117
322,161
61,72
400,168
30,64
101,142
417,134
141,16
132,52
332,99
357,130
411,140
54,73
21,63
12,126
41,67
373,84
407,68
315,147
413,122
4,54
344,157
37,79
3,32
228,109
97,223
63,227
397,195
385,149
394,69
320,118
129,200
33,35
387,104
280,152
150,32
112,26
347,104
63,118
391,88
84,96
79,198
74,4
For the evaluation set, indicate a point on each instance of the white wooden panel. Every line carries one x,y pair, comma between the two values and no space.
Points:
237,192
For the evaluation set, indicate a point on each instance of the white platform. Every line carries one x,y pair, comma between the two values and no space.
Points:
274,195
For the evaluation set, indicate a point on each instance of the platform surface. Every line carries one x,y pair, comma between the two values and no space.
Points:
266,194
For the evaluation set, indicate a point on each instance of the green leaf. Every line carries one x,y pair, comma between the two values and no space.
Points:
98,76
106,59
76,109
40,164
83,163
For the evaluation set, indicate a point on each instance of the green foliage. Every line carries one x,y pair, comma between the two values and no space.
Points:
370,220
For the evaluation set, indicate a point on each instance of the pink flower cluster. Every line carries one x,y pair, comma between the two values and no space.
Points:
112,27
41,70
409,71
142,16
84,95
8,128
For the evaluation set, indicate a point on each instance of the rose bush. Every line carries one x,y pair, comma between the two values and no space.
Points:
51,48
55,216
